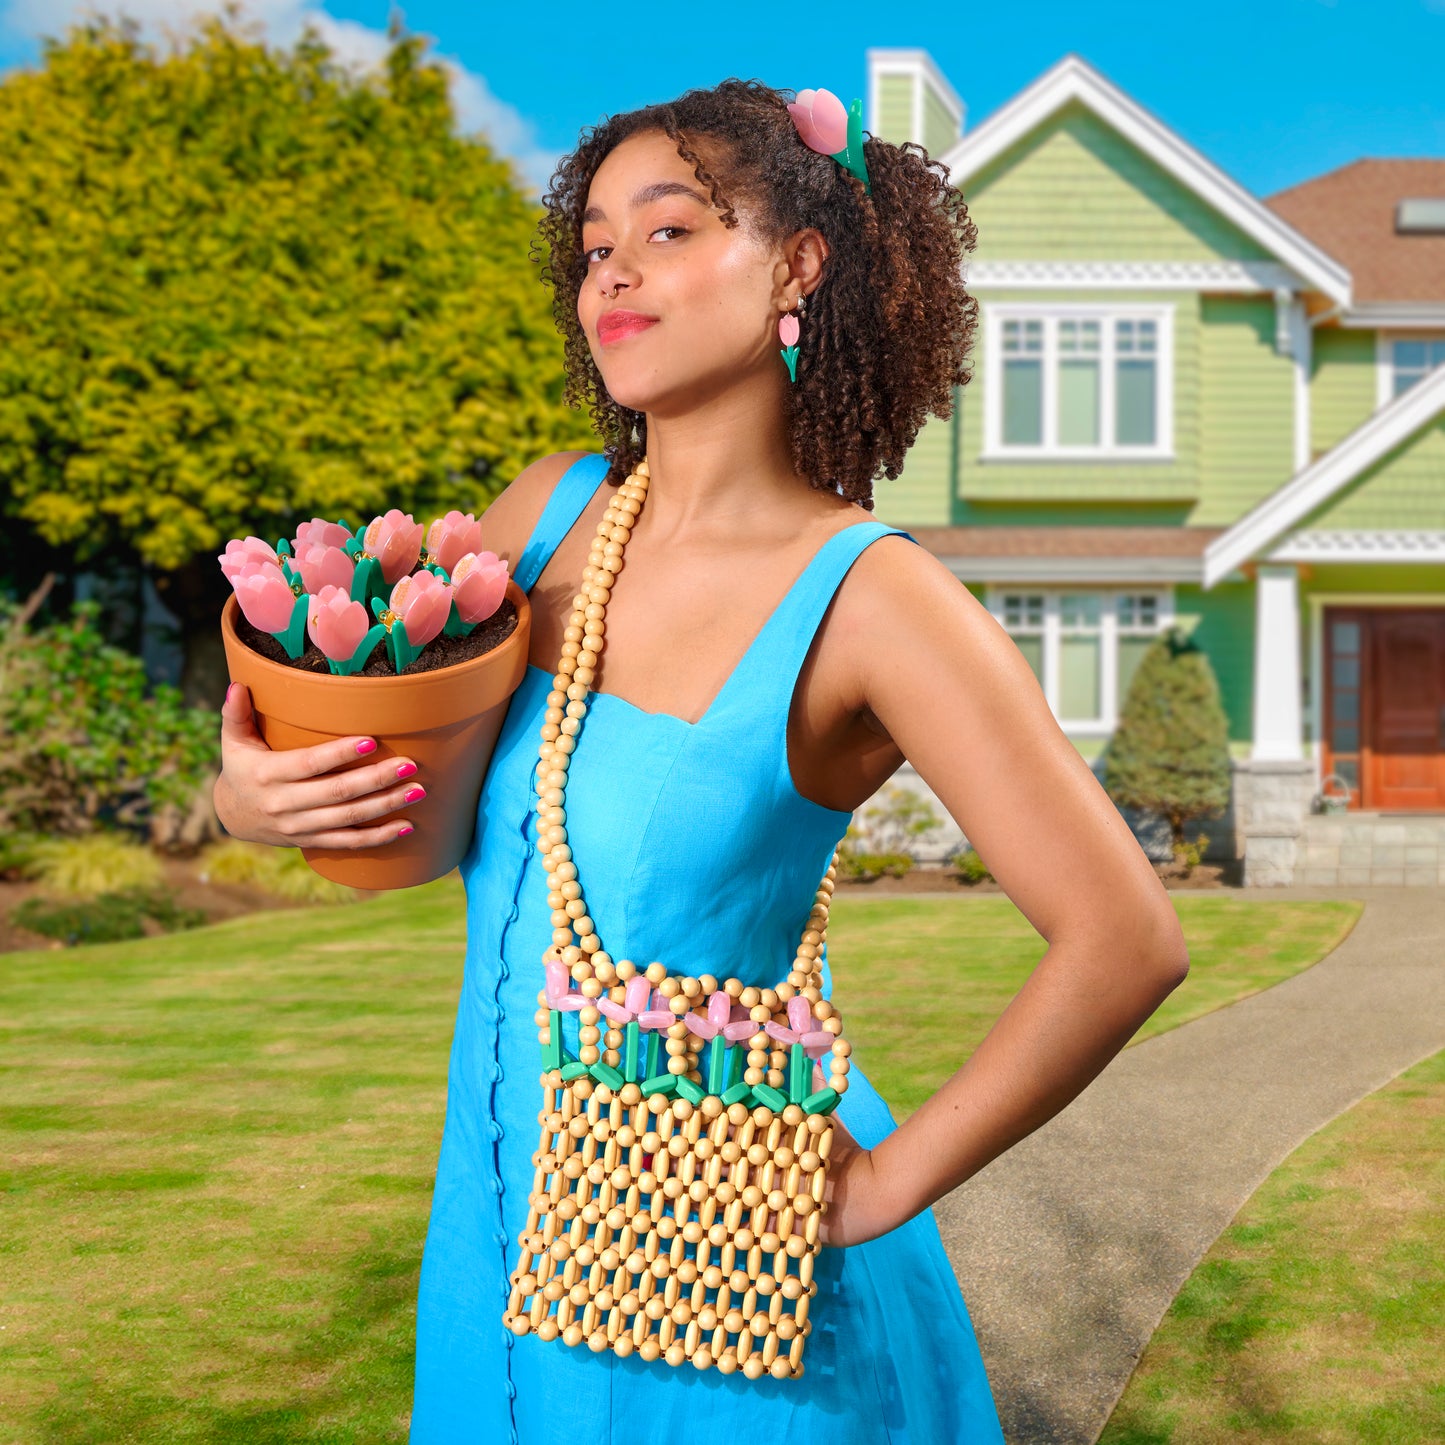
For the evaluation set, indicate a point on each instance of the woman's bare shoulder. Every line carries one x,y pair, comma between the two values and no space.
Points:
512,516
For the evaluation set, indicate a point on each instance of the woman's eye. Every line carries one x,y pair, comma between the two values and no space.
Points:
592,256
680,230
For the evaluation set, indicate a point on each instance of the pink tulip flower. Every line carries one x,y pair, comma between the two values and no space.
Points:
659,1016
719,1020
265,596
559,985
336,623
322,565
239,553
423,602
450,538
822,121
318,532
634,1003
788,329
479,582
815,1041
395,541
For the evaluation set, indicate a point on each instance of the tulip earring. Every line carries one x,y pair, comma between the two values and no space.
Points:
788,335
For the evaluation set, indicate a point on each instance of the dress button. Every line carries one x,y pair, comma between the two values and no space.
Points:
496,1186
501,1238
511,1388
496,1129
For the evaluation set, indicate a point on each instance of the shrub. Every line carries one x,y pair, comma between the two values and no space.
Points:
1170,752
970,866
84,743
858,864
88,866
282,871
896,818
17,851
110,918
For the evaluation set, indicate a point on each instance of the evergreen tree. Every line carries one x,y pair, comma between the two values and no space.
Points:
1170,752
239,287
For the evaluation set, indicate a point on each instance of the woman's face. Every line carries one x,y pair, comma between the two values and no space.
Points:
677,308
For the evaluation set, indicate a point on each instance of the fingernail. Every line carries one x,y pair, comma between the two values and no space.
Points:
230,688
406,831
406,770
366,745
414,795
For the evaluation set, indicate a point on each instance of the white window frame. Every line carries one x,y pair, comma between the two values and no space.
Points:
1109,632
995,313
1385,360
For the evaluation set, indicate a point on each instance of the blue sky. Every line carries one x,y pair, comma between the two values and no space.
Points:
1272,91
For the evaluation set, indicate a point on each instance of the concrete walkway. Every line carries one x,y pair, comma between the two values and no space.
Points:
1072,1246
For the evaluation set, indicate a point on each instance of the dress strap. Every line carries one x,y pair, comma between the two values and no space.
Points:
765,677
575,488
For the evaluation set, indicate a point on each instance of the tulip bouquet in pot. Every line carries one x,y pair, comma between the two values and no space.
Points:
330,584
418,638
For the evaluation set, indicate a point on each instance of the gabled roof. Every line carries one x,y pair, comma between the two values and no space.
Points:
1073,79
1351,213
1394,423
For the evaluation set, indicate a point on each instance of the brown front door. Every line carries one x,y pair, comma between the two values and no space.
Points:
1385,705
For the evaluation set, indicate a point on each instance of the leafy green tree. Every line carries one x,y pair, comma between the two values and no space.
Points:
241,286
1169,753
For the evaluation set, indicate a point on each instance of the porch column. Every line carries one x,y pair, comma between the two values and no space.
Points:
1278,724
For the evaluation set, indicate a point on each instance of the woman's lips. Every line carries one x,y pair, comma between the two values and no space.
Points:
617,325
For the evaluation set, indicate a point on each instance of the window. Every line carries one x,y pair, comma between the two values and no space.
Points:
1084,645
1087,382
1413,360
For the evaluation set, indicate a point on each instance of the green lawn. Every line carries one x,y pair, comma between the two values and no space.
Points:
1318,1317
216,1148
980,949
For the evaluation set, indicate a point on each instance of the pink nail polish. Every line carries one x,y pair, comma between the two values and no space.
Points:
414,795
406,770
407,831
366,745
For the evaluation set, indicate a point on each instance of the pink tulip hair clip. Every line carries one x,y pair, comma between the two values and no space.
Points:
826,127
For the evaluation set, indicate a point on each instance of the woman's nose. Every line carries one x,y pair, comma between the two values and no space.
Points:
616,273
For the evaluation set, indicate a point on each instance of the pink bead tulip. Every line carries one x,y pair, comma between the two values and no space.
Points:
318,532
788,329
423,602
822,121
336,623
324,566
559,984
815,1041
659,1016
720,1020
634,1004
479,582
450,538
265,596
395,541
239,553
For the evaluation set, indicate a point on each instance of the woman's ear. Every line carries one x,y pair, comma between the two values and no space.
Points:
805,254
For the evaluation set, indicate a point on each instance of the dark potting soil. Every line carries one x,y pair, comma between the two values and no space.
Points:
441,651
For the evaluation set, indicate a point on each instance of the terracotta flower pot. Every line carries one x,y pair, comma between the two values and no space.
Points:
447,720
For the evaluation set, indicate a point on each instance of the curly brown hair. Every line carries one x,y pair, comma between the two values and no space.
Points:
887,332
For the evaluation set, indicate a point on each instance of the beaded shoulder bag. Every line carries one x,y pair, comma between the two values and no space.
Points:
682,1170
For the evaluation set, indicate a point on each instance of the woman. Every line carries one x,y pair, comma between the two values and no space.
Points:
771,657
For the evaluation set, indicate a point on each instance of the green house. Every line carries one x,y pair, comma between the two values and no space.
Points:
1191,405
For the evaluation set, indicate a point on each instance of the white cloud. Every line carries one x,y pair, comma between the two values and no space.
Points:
509,132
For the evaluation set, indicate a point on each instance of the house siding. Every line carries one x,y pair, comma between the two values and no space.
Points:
1246,409
894,121
939,128
1342,385
1075,190
1221,621
1405,489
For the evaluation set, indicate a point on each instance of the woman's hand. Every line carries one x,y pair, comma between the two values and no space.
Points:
299,798
858,1205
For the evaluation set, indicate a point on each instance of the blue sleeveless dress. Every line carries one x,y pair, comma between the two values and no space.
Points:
695,848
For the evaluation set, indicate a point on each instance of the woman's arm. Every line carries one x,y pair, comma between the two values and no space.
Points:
953,691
